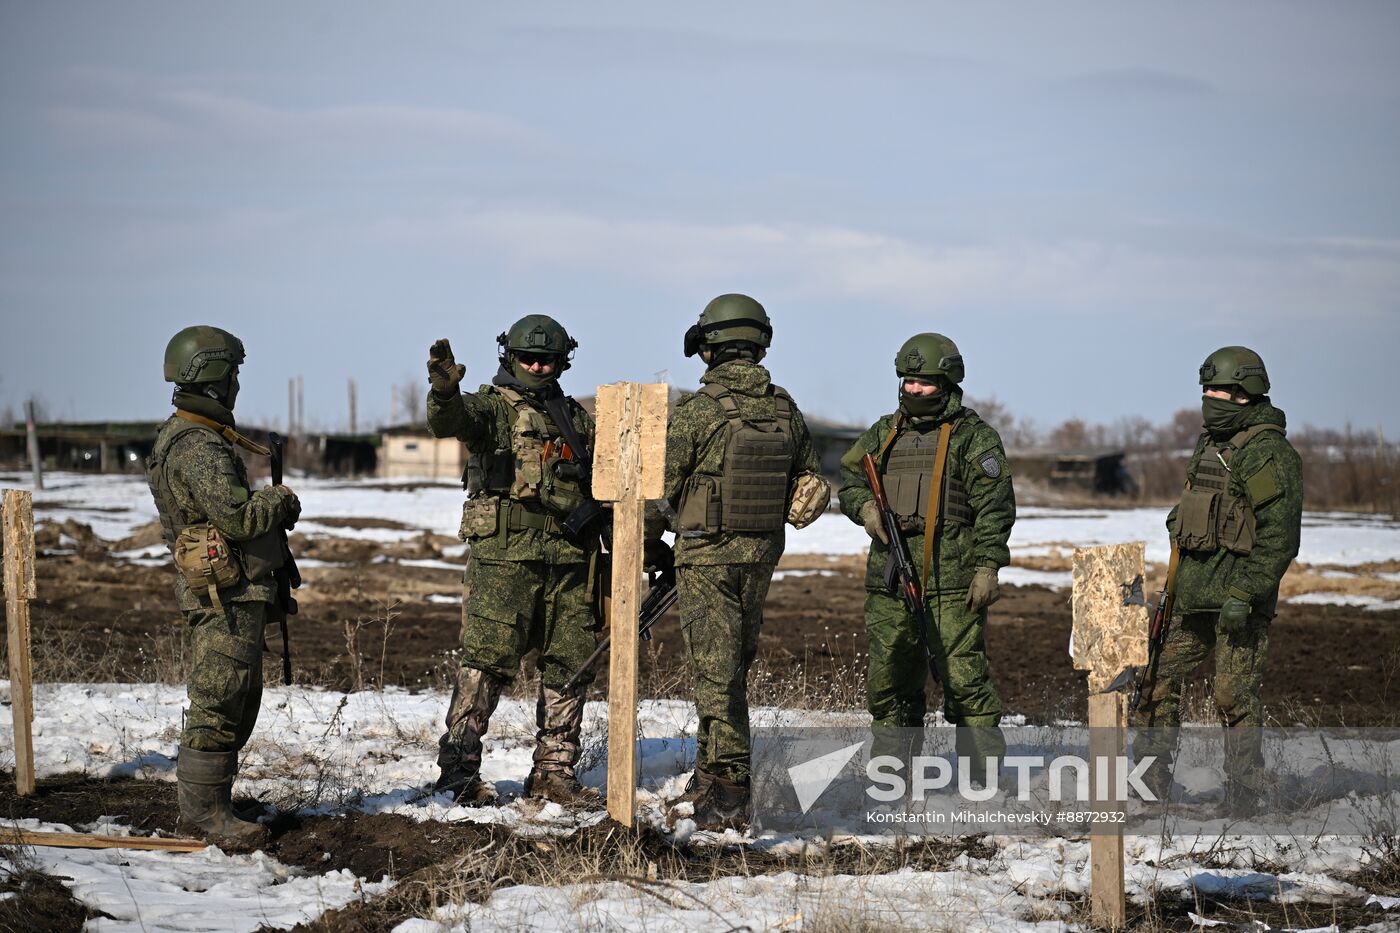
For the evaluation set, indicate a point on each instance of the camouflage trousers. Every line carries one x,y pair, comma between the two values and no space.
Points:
898,668
511,608
226,682
721,607
1239,674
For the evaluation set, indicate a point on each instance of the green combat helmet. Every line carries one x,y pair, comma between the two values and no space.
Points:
1236,366
538,333
925,356
201,354
727,319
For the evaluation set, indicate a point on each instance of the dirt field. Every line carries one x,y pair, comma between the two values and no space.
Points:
367,620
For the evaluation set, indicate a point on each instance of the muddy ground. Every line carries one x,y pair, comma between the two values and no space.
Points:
366,619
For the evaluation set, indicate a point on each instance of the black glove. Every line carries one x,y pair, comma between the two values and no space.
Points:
293,506
444,372
657,556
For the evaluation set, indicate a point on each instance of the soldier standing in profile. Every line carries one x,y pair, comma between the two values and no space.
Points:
1234,533
226,541
957,544
739,462
535,539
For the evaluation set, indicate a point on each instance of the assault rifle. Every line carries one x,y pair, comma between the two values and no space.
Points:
590,519
288,577
1157,631
900,575
661,596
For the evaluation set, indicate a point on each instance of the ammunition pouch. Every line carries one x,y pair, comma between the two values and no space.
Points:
700,505
480,517
1207,520
1210,516
263,555
205,561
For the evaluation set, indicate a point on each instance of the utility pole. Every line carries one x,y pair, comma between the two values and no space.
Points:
301,409
36,463
291,405
352,406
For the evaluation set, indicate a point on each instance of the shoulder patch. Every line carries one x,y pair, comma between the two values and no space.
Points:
1263,487
990,465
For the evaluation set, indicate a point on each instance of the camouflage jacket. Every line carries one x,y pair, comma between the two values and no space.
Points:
976,458
696,436
485,422
208,482
1205,578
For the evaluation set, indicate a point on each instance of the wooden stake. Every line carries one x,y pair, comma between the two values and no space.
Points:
1110,634
19,590
1108,902
629,463
28,837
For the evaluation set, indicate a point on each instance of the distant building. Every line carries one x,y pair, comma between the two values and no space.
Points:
1100,472
409,451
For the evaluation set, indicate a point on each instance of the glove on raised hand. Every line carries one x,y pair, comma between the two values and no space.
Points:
984,589
870,517
444,372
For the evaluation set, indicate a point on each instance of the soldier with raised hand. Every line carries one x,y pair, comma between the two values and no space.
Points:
534,532
739,463
226,540
1235,532
957,557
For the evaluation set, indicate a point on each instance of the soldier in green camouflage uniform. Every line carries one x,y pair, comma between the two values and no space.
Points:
1235,531
976,511
529,583
202,494
733,452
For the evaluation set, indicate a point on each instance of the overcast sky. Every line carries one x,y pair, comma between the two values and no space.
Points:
1087,197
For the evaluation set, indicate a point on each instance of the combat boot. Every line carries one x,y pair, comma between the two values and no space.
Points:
561,786
204,786
723,805
474,699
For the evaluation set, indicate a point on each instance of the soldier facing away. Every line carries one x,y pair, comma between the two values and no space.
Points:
226,541
535,539
957,559
739,462
1234,533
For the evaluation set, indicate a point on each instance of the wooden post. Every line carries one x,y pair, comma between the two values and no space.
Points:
629,463
1110,634
19,590
29,837
1108,903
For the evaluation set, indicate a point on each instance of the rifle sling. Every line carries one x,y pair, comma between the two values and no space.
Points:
228,433
935,498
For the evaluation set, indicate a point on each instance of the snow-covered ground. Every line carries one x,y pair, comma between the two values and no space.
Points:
322,751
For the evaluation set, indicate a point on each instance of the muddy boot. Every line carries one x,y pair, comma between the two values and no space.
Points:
474,699
723,805
561,786
205,780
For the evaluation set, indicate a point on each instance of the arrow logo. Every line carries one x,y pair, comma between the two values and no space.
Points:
811,778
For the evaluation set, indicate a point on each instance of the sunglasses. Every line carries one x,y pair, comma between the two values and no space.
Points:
530,359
